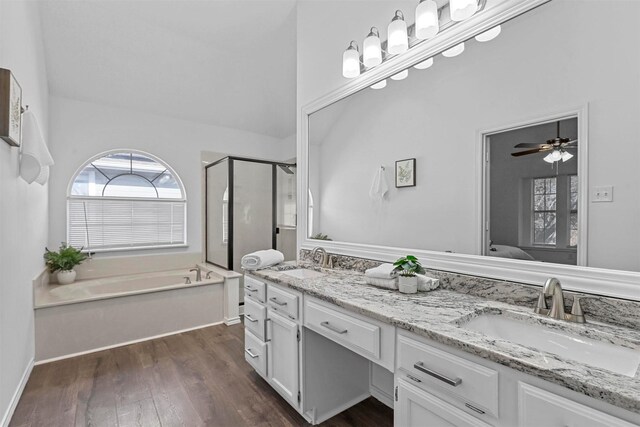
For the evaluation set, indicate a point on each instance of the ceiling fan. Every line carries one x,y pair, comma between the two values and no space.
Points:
557,148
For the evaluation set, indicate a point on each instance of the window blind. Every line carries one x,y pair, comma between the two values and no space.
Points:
109,224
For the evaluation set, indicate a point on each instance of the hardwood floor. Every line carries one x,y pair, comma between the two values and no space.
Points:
198,378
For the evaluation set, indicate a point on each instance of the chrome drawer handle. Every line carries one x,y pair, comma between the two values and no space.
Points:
452,382
275,300
251,290
333,328
252,354
249,318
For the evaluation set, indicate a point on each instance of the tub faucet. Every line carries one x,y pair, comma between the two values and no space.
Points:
198,273
552,288
325,256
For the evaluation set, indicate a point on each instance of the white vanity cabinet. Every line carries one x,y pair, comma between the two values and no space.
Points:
283,361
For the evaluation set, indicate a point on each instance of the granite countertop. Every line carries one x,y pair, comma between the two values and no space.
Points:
437,315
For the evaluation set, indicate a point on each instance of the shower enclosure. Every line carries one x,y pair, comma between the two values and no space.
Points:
250,205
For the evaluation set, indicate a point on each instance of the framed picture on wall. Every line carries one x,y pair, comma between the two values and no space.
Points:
406,173
10,108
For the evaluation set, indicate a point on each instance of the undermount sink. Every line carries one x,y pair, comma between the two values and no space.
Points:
303,273
605,355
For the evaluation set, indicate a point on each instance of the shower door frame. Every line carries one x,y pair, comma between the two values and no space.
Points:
230,183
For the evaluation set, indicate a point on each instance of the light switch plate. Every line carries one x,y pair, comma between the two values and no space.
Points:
602,194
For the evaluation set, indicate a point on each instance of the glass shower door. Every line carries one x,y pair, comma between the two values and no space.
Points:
286,211
217,214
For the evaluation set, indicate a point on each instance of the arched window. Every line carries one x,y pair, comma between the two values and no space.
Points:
124,200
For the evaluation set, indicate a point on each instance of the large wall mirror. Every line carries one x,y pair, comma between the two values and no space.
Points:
526,147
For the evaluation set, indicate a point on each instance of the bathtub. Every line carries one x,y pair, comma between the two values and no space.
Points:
101,313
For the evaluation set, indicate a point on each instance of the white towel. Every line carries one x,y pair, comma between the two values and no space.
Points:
379,186
261,259
383,271
383,283
36,159
426,283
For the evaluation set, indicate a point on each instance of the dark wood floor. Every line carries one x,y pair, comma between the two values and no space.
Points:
198,378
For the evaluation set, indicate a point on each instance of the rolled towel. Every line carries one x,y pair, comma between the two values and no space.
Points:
382,283
383,271
426,283
261,259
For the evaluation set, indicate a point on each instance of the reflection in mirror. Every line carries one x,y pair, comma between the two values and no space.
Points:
548,63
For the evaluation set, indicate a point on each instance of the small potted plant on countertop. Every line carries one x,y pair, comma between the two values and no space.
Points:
63,262
408,267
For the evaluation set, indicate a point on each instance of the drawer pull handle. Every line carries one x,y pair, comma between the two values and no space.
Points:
473,408
275,301
251,290
333,328
452,382
249,318
252,354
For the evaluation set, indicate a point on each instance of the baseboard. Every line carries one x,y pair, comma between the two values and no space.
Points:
381,396
342,408
122,344
232,321
6,418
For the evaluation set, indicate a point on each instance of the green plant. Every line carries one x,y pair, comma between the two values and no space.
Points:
320,236
65,258
408,266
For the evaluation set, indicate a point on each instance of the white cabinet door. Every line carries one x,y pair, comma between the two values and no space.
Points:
417,408
539,407
282,357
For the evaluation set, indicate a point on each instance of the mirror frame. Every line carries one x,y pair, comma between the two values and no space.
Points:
619,284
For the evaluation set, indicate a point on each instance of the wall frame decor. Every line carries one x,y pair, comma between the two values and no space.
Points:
406,173
10,108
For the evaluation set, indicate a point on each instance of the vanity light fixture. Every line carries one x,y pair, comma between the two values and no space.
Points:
489,34
380,85
401,75
371,49
398,40
351,61
427,19
454,51
424,64
462,9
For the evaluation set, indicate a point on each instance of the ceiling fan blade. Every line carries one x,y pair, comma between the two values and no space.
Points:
528,145
571,142
524,153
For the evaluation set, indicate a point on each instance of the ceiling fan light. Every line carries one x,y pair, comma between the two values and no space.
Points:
549,158
424,64
371,49
380,85
454,51
427,24
566,156
553,156
401,75
397,38
462,9
351,61
489,34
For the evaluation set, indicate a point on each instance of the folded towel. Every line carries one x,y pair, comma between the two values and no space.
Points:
426,283
261,259
382,283
383,271
36,159
379,186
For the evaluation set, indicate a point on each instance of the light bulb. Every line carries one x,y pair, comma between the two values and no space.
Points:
424,64
489,34
371,49
427,24
566,156
397,39
454,51
401,75
552,157
380,85
351,61
462,9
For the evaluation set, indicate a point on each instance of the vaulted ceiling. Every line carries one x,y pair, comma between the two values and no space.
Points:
220,62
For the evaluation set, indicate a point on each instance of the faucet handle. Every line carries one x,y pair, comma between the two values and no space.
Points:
576,308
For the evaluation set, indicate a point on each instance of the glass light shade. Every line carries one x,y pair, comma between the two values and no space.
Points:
351,63
566,156
380,85
424,64
462,9
397,39
427,24
371,51
489,34
401,75
553,156
454,51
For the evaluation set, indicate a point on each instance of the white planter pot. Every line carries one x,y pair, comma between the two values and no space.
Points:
66,277
408,285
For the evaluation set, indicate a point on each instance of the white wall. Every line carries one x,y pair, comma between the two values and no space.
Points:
80,130
23,207
435,115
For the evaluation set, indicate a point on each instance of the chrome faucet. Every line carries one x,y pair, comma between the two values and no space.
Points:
198,273
552,288
327,261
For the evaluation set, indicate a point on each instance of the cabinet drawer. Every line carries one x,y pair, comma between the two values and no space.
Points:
347,330
255,352
255,289
254,318
285,303
467,381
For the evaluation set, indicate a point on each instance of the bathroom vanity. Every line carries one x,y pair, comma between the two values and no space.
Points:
324,340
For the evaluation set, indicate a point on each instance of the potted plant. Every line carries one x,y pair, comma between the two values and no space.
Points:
408,267
63,262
